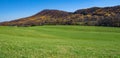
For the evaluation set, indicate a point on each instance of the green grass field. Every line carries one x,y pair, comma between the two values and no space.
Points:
59,42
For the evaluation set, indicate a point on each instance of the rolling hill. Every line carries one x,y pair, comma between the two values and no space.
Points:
60,41
95,16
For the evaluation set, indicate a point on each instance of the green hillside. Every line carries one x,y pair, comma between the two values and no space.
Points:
59,42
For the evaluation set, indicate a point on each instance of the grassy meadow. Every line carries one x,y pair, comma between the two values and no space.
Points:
59,42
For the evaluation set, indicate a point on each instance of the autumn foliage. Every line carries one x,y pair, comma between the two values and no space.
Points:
95,16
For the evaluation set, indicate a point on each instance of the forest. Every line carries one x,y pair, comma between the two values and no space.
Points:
95,16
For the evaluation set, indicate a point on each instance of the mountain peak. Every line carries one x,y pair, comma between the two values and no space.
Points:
52,13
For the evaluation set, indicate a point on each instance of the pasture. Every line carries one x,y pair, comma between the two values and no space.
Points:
59,42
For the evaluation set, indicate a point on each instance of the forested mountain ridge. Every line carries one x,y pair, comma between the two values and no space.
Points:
95,16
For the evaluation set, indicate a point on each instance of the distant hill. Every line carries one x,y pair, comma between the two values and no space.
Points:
95,16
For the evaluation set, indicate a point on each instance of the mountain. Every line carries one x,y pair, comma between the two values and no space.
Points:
95,16
99,11
53,13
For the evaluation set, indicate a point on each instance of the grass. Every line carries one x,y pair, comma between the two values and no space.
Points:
59,42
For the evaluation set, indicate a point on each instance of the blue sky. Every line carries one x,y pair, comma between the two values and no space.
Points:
14,9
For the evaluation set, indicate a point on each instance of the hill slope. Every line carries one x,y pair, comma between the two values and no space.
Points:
95,16
59,42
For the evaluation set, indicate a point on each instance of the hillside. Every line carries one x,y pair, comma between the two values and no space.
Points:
95,16
60,41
